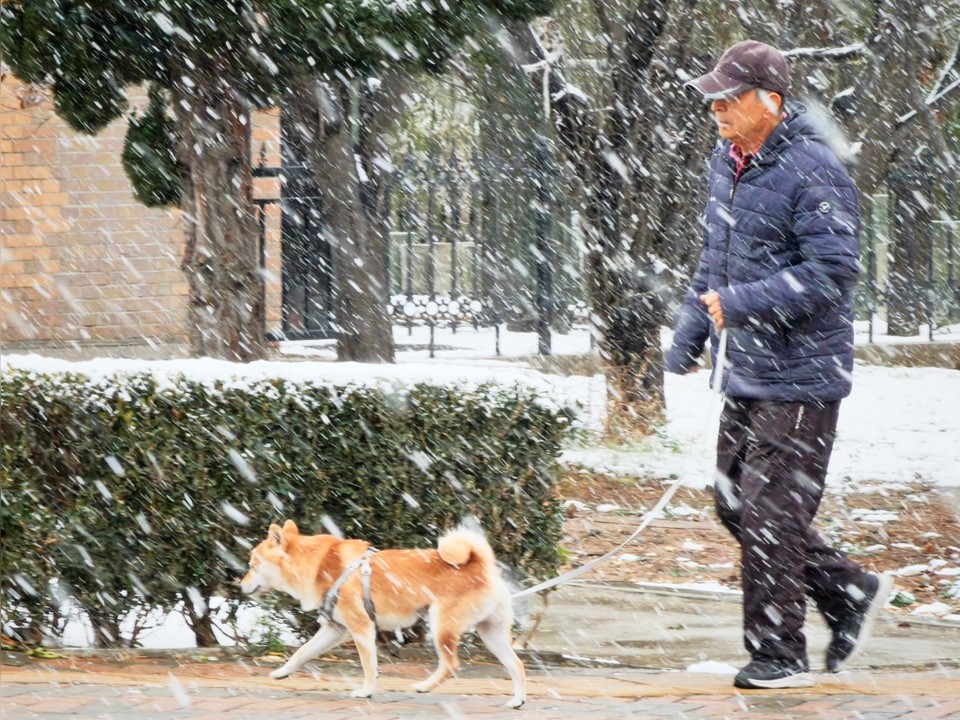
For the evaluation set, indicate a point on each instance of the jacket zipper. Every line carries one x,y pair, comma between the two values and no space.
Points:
726,255
733,191
796,425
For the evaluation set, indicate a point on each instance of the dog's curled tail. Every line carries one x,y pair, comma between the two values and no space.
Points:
463,545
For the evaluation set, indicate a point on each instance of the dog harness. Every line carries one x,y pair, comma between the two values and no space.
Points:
332,595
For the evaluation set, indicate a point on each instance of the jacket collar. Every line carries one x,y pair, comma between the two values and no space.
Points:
792,129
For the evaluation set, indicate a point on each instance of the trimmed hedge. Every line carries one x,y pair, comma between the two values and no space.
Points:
130,494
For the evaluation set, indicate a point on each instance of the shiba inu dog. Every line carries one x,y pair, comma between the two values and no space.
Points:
358,590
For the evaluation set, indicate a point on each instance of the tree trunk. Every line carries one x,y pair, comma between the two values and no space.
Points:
637,160
360,245
627,313
222,255
106,629
348,123
908,301
201,625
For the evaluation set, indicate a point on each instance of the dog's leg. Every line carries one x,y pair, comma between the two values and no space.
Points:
327,636
446,633
365,638
495,633
537,616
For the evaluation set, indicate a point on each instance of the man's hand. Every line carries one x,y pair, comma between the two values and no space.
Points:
712,301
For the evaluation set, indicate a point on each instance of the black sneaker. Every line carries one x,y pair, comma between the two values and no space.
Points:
773,674
852,632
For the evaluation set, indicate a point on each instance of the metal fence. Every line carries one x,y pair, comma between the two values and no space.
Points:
473,241
480,241
477,241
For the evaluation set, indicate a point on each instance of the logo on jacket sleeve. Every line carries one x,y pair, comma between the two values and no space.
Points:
825,207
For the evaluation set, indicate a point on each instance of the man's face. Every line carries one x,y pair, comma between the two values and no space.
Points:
745,118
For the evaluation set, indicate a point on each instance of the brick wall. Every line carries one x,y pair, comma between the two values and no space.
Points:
266,136
84,268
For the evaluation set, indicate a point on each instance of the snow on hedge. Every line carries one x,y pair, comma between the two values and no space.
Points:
552,391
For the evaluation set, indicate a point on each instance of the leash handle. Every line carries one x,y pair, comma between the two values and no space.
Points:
716,382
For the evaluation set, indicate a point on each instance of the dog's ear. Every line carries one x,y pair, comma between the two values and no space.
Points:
275,534
290,528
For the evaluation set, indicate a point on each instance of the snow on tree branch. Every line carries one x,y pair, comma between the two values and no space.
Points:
951,69
836,53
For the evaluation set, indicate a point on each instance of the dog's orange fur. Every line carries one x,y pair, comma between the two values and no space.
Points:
458,584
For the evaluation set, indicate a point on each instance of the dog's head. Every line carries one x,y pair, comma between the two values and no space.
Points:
267,560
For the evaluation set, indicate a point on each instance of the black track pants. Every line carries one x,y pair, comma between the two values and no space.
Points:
771,464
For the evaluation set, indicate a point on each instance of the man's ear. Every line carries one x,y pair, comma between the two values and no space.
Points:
771,101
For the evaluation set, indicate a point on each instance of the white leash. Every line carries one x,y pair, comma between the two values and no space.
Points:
715,385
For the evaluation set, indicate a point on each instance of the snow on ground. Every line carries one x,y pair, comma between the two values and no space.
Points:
466,343
171,631
899,425
712,667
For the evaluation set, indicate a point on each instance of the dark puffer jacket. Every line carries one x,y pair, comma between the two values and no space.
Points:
781,247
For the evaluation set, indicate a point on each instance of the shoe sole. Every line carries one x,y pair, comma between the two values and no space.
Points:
800,680
866,628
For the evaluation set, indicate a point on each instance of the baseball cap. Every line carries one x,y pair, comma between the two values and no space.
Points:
748,64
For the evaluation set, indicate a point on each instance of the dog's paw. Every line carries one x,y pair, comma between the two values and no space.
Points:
363,692
423,687
280,673
515,703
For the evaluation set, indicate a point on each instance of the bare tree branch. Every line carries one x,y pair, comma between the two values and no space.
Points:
949,68
930,101
578,128
855,51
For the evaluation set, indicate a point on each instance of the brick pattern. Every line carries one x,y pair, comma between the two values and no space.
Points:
82,263
266,137
155,700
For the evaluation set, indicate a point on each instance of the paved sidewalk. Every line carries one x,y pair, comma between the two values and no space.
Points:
633,646
658,628
150,691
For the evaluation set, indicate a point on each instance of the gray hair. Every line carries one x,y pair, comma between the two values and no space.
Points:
765,97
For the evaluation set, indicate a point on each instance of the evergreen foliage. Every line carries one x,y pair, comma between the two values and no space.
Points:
89,51
149,156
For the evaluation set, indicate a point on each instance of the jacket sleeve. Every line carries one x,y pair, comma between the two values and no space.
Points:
693,324
826,224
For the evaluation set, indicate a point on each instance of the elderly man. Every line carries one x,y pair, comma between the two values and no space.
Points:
776,272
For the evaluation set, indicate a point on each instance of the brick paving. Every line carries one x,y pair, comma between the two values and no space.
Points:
154,690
